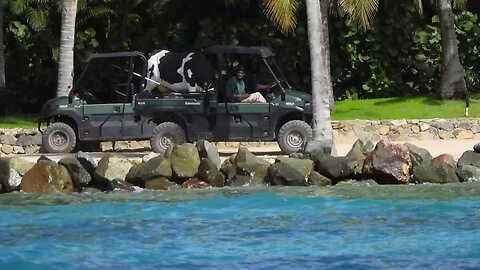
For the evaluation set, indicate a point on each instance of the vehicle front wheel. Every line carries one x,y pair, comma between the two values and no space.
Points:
166,135
59,138
293,135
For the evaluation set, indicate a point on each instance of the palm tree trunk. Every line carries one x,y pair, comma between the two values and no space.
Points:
67,42
324,5
452,82
322,128
2,51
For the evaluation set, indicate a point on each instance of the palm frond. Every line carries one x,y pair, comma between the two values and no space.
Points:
37,18
361,12
17,7
282,13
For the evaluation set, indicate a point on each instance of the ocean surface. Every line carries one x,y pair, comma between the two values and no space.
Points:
343,227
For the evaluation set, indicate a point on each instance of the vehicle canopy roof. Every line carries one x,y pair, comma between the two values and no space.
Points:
225,49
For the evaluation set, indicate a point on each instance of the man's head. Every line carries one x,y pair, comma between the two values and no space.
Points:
239,72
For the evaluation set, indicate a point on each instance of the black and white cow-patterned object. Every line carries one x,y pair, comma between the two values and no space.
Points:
180,72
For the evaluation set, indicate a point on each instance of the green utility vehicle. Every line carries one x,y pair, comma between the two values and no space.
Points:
108,103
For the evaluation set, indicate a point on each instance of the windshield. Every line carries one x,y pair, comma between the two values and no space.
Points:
277,72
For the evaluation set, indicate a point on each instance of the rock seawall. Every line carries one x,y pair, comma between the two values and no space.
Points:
29,141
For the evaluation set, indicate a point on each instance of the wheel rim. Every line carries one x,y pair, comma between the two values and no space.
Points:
58,140
295,139
166,141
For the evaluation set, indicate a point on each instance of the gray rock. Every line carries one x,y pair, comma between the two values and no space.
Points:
476,148
87,161
303,166
209,173
7,139
336,168
18,149
80,176
11,172
160,184
440,174
249,174
113,167
283,174
208,150
185,161
418,155
468,173
120,185
469,158
156,167
47,177
149,156
244,156
25,140
316,179
360,149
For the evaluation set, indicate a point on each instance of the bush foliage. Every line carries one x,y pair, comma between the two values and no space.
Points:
398,56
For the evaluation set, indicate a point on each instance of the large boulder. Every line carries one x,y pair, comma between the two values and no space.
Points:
156,167
281,173
110,167
80,176
316,179
185,161
469,158
418,155
121,185
209,173
113,167
444,158
209,151
47,177
11,172
360,150
87,162
245,156
389,163
304,166
336,168
249,174
160,183
439,174
468,173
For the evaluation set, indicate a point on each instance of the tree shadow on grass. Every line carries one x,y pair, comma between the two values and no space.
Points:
421,100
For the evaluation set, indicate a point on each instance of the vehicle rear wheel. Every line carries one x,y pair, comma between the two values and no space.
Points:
59,138
293,135
166,135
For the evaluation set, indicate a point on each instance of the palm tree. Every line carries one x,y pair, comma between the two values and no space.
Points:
452,81
282,12
2,51
67,41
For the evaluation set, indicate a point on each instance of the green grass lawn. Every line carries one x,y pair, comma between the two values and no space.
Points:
369,109
404,108
18,121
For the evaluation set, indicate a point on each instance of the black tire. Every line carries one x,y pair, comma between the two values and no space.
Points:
293,135
166,135
59,138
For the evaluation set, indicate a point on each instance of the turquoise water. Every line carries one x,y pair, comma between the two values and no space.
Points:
361,227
